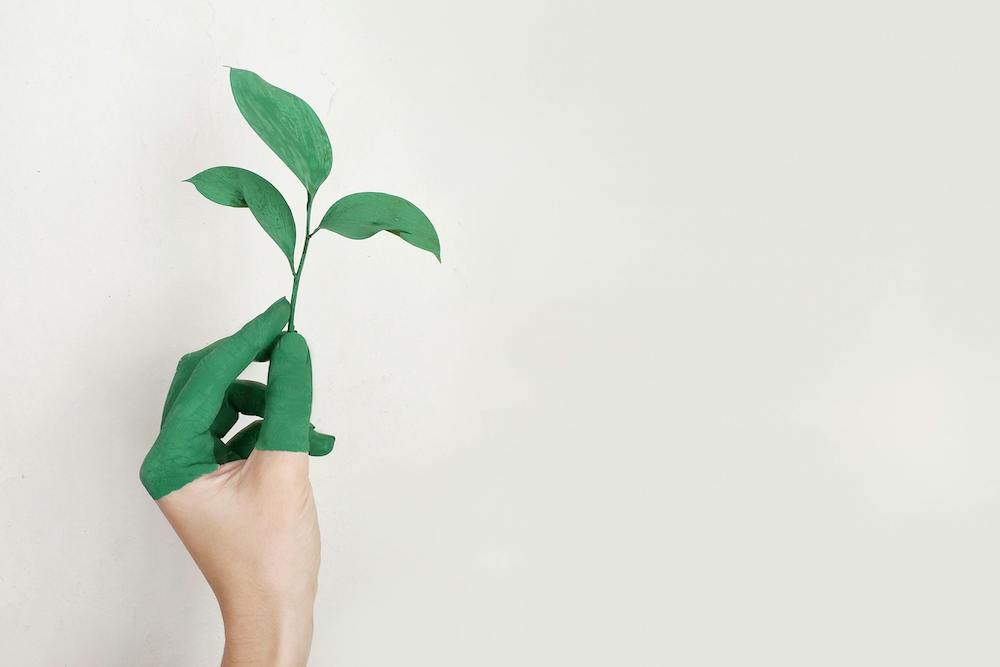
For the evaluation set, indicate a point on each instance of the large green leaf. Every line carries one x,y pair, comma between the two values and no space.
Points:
287,125
232,186
364,214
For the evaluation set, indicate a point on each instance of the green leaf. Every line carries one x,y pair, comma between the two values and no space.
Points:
232,186
287,125
364,214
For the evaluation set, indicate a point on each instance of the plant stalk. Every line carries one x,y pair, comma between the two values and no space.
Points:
297,275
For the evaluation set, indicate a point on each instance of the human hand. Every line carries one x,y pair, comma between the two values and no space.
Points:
245,509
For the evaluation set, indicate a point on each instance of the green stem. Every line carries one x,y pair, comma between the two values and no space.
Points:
302,260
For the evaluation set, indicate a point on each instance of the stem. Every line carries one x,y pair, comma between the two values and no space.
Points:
302,260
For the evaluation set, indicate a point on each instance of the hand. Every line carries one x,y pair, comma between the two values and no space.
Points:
245,509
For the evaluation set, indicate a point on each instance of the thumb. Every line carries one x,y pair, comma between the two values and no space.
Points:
288,400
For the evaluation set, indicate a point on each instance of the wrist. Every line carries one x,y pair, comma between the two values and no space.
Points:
259,634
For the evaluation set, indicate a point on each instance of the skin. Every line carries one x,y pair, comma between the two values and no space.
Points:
245,509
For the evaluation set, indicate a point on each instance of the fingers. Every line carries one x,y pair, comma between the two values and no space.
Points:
288,401
185,367
249,398
175,460
242,444
197,404
265,354
185,449
243,397
320,444
279,455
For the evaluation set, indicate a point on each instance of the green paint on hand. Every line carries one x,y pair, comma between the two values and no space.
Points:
205,399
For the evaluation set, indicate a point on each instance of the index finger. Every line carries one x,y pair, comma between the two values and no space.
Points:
198,403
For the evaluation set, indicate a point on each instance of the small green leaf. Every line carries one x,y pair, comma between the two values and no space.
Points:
232,186
364,214
287,125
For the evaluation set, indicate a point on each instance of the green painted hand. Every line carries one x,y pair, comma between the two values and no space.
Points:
205,399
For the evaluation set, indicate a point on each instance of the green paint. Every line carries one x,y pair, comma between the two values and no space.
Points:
287,125
249,398
294,132
289,397
205,399
302,262
362,215
232,186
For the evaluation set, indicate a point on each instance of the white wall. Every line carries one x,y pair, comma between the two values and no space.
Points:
709,374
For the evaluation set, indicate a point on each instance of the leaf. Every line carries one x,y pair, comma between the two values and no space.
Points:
232,186
364,214
287,125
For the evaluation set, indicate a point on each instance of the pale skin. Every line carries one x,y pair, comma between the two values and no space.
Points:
251,528
249,524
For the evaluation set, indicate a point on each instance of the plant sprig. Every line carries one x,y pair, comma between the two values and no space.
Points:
294,132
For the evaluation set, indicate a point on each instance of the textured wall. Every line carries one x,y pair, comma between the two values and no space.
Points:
708,375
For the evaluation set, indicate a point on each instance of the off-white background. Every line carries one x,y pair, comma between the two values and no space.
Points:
708,377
